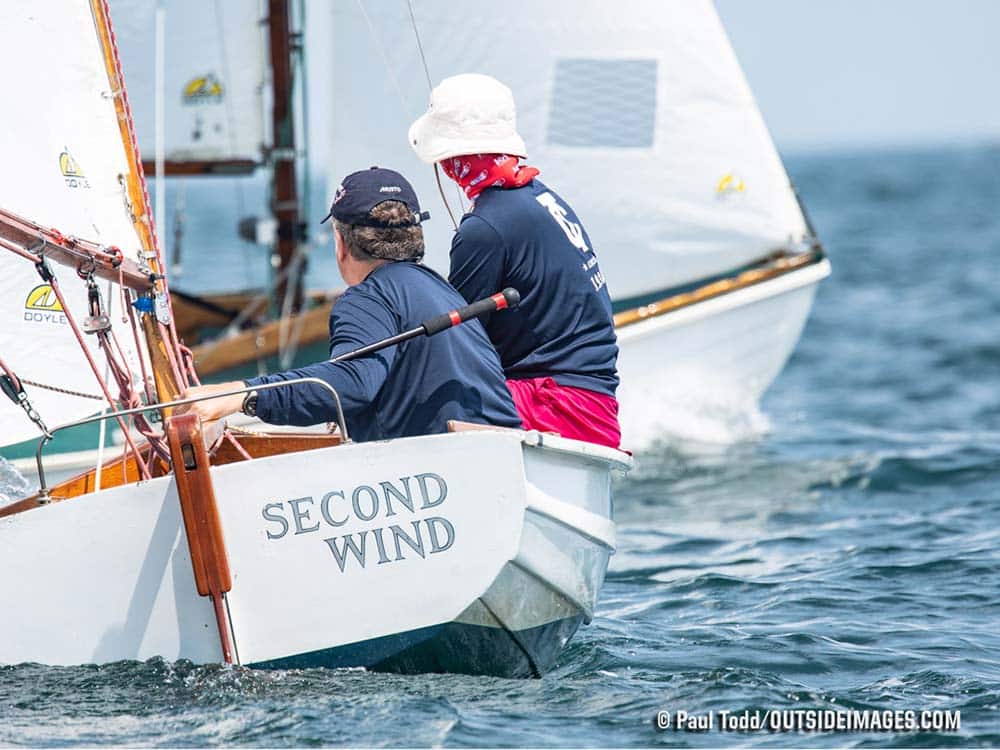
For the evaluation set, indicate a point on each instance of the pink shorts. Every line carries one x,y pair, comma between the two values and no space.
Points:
576,413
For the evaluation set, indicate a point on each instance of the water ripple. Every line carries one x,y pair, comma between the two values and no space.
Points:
841,553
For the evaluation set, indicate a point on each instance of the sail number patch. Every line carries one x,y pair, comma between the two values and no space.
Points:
408,532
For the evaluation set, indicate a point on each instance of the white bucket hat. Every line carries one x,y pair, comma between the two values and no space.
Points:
469,114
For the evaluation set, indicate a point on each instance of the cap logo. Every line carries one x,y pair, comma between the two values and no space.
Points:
339,194
390,189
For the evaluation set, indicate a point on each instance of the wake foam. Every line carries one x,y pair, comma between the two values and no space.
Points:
13,485
690,417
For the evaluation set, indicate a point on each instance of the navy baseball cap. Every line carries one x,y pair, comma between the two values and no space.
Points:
360,192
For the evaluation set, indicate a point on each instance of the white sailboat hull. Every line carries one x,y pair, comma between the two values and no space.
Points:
499,560
697,373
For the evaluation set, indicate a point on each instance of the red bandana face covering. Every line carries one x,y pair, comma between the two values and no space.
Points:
476,172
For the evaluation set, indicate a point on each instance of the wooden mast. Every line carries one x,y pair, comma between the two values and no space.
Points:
285,195
167,387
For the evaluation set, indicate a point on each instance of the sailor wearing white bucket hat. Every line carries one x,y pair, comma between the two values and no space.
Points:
469,114
558,349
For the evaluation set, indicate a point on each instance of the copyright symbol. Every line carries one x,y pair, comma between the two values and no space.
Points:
662,720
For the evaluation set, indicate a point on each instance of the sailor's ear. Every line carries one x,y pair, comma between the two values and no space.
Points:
341,247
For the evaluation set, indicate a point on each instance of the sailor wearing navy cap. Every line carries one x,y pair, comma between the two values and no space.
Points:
412,388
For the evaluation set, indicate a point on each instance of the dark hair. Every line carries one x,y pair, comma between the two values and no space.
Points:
392,243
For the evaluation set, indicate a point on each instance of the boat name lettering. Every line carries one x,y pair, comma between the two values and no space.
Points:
390,543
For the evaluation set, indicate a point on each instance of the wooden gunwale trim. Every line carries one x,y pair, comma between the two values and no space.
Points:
112,472
193,313
261,341
208,167
258,445
779,266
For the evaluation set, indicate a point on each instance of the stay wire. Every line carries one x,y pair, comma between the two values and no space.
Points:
430,87
385,58
420,46
399,89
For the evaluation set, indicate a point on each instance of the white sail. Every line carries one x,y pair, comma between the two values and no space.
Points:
214,62
63,165
636,111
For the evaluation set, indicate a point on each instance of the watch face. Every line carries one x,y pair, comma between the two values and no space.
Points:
250,404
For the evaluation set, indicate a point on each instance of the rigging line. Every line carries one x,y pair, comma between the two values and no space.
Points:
147,382
64,391
385,58
286,310
420,46
437,176
102,431
460,194
399,89
430,87
127,394
173,353
286,328
149,388
93,365
228,435
290,346
255,303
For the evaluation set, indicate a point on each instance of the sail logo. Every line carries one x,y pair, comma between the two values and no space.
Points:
71,172
206,89
729,185
43,306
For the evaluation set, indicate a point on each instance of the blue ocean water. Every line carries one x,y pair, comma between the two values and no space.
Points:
846,558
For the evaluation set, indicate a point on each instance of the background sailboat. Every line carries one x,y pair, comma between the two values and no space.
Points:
228,102
639,114
214,93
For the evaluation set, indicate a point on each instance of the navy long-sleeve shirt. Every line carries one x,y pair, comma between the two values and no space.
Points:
412,388
530,239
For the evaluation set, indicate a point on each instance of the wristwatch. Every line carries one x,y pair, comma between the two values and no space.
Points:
250,403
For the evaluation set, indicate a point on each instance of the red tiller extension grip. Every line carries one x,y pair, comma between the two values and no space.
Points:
508,299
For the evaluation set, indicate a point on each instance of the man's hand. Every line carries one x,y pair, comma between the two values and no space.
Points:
216,408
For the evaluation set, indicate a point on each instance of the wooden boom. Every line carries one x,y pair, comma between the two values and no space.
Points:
35,242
